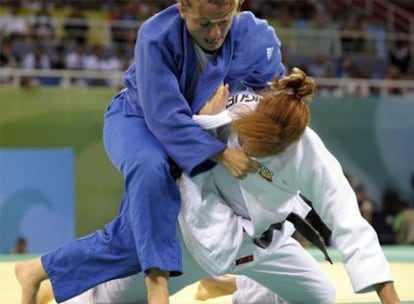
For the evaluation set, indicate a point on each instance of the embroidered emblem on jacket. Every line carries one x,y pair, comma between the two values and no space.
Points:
266,173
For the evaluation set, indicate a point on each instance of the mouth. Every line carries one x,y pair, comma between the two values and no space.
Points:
213,43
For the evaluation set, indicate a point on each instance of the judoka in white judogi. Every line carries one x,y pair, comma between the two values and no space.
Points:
221,214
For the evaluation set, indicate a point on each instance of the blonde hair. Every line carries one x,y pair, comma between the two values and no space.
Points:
235,3
280,118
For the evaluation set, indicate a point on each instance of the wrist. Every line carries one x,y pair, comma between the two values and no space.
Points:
219,157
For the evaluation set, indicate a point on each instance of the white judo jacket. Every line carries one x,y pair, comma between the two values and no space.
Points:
218,210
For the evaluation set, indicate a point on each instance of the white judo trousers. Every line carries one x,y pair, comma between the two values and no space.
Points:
290,274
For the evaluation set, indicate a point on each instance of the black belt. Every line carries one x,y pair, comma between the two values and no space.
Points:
302,226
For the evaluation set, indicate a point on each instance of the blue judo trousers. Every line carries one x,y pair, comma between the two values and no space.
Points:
120,249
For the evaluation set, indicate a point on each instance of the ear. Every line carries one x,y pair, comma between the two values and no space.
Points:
182,10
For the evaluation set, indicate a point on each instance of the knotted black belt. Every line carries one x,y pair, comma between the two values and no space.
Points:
302,226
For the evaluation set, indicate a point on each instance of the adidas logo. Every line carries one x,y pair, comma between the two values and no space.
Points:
269,53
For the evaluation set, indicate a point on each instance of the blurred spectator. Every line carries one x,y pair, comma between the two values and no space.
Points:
347,68
320,66
391,202
283,17
393,73
365,203
37,59
125,22
76,25
400,56
376,34
12,24
352,39
380,220
57,59
20,246
401,217
43,24
75,60
7,60
92,62
403,224
332,89
304,13
115,63
351,180
362,32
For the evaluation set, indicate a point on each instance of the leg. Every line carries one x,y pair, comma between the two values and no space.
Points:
157,286
288,272
152,196
45,294
30,275
101,256
131,289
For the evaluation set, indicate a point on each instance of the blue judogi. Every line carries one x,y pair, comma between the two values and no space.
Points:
147,124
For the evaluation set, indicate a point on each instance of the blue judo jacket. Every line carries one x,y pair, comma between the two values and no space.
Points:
165,61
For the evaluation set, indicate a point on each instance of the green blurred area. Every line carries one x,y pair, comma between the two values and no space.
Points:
367,135
56,117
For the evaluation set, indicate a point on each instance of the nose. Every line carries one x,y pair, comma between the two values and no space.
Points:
215,32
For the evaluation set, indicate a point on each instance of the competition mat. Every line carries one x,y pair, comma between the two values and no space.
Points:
400,257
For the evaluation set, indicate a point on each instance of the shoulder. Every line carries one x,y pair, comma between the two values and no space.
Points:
314,148
248,25
311,137
162,26
253,38
312,144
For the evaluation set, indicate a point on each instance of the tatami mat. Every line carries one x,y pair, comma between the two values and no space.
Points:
402,264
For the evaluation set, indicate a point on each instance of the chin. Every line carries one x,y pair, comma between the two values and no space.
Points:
212,48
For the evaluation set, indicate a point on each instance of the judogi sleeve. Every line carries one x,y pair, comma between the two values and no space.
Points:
321,179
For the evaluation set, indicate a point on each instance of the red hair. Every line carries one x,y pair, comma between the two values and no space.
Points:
279,119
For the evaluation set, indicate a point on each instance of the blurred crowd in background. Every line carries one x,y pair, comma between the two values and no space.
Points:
392,217
326,38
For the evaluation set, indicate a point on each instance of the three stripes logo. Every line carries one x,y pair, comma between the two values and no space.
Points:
269,53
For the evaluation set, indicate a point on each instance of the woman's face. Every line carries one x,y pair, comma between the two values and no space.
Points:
207,23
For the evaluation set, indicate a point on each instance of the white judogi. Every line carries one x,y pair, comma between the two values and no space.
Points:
216,208
220,214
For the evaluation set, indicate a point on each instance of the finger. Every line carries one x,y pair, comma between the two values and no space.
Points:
242,176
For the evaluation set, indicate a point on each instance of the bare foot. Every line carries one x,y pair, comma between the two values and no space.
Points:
30,274
209,288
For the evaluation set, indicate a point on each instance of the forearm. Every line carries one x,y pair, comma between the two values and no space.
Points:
387,293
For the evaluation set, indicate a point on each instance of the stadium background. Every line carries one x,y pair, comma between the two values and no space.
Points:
370,130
